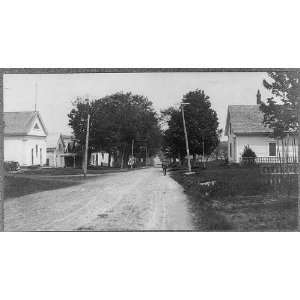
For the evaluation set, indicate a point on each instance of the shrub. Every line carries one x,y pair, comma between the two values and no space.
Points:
248,156
248,152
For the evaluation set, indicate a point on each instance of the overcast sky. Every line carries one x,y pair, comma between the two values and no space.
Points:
56,92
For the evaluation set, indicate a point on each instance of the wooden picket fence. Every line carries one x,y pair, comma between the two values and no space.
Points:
282,178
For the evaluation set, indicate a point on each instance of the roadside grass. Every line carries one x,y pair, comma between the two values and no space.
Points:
72,171
37,180
240,200
17,186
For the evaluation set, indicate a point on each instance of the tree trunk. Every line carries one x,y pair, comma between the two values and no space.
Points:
122,159
194,159
109,158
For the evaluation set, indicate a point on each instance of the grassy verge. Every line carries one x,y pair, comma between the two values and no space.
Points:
15,186
72,171
239,200
37,180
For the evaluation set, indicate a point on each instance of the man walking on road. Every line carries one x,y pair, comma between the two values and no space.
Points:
164,167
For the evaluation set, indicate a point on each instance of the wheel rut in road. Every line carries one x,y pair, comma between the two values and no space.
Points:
139,200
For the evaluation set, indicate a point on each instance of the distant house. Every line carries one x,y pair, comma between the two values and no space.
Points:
25,138
244,126
61,151
101,159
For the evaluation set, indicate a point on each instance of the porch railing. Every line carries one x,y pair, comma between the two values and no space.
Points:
268,160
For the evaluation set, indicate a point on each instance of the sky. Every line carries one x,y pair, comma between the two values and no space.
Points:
55,92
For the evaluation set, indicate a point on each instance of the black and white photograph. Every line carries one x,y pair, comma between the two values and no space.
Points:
151,150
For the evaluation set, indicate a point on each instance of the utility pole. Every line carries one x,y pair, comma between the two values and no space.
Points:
86,146
146,155
186,138
1,156
132,143
203,152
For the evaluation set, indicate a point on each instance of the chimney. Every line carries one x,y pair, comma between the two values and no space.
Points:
258,98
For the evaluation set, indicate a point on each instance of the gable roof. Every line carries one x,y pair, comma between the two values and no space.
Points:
246,119
20,122
54,138
67,138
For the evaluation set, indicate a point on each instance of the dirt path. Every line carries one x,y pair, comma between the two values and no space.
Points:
138,200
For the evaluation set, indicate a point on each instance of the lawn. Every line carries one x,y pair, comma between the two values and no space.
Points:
72,171
44,179
17,186
240,200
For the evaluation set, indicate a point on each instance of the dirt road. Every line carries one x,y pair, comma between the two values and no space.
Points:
139,200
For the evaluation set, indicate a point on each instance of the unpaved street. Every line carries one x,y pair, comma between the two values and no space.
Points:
138,200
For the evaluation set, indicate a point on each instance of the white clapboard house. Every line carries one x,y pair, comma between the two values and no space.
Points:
61,151
244,127
25,138
101,159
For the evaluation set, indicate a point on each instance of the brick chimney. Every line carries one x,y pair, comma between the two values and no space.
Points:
258,98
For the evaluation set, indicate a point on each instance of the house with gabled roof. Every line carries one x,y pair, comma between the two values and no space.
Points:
25,138
245,127
61,151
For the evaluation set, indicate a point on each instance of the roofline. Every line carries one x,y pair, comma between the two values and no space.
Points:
24,135
252,133
19,111
37,113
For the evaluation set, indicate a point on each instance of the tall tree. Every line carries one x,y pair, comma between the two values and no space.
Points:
201,122
281,110
116,121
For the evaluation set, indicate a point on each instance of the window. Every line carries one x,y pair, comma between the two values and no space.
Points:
36,126
230,149
230,128
272,149
36,150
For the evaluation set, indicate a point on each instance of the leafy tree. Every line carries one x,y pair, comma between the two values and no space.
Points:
201,122
280,110
116,121
173,144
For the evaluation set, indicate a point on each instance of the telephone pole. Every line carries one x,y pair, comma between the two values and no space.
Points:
132,143
146,156
203,152
86,146
186,139
1,156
